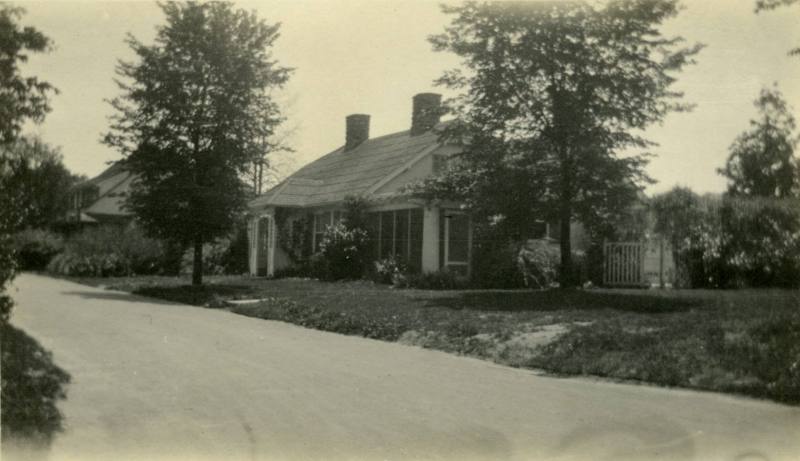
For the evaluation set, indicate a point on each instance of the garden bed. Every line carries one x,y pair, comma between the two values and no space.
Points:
745,341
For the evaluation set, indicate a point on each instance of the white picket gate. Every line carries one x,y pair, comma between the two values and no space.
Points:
624,264
638,264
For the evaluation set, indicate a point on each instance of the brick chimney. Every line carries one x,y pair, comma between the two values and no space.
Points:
356,131
425,112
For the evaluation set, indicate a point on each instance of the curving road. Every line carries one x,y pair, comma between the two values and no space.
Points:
160,381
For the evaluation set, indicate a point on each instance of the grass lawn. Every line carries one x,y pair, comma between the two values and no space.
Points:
744,341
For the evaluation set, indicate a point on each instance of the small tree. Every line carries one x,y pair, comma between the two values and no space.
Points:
553,93
194,118
762,161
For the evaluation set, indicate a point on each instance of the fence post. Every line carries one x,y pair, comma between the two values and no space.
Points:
661,263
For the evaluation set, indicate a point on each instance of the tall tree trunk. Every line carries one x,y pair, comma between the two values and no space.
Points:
565,278
197,267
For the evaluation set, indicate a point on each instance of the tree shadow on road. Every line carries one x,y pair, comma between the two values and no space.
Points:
114,296
32,385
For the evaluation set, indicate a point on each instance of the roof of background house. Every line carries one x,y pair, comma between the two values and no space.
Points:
113,185
340,173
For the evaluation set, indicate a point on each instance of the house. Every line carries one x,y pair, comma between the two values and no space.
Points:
100,200
428,237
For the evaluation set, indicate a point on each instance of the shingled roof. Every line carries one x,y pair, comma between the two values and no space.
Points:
113,184
340,173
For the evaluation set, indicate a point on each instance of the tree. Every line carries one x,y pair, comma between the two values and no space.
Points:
193,119
21,99
762,161
41,181
552,96
767,5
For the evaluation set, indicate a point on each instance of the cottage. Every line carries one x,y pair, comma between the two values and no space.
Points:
427,237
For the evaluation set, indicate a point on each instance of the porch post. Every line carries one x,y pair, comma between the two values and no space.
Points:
430,239
271,239
254,247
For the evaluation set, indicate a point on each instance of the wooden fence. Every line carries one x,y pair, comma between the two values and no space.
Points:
638,264
624,264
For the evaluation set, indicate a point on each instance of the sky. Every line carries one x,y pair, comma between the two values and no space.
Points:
372,56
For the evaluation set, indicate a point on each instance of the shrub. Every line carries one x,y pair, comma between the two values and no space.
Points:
343,252
496,266
226,255
36,247
762,241
441,280
538,261
388,270
109,251
213,258
731,241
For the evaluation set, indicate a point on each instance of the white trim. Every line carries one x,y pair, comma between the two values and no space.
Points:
403,168
271,245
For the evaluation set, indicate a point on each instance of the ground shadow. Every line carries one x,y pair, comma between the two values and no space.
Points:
211,295
32,385
552,300
112,296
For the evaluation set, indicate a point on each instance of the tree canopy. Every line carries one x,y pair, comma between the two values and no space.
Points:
195,112
552,97
21,97
762,161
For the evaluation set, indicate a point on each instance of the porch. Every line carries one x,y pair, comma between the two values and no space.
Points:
424,238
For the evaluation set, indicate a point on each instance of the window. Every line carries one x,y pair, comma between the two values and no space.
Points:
397,233
539,230
386,236
321,222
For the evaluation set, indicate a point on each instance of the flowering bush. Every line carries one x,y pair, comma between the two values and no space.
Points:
389,271
538,262
343,253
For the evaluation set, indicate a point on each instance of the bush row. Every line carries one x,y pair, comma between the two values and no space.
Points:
731,242
111,251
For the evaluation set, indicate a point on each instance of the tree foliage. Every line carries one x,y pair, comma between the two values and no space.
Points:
40,180
767,5
194,114
551,96
762,161
21,97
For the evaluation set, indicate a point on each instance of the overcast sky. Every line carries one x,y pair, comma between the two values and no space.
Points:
372,57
